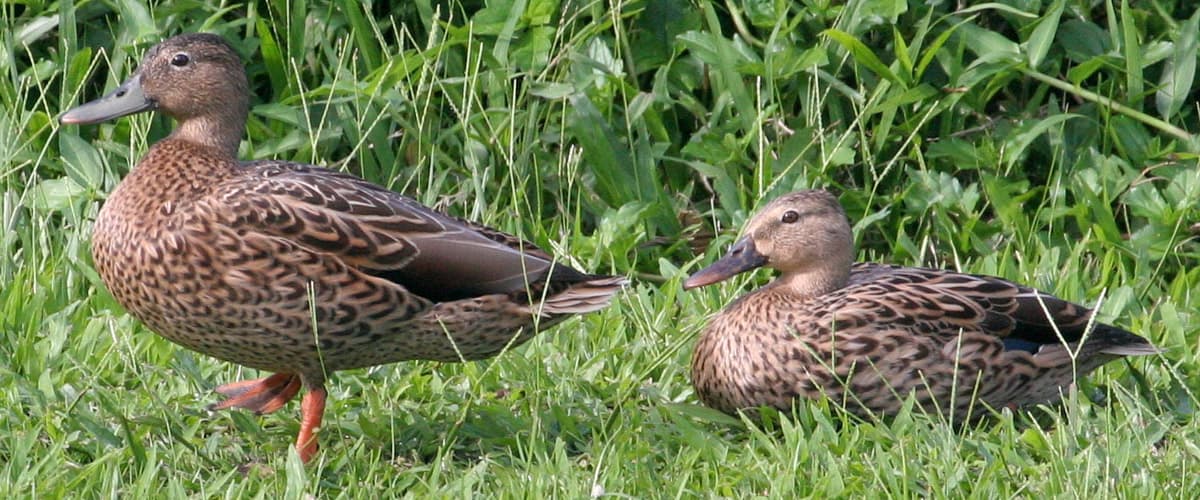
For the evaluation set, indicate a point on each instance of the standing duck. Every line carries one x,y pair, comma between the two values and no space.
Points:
295,269
869,335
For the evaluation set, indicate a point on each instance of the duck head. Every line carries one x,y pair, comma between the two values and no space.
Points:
196,79
804,235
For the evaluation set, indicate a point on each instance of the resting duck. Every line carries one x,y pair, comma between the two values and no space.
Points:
868,335
235,260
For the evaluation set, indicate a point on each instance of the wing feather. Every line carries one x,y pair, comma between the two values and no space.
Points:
1021,316
381,233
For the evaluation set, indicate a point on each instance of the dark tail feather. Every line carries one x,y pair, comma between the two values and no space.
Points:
582,297
1117,342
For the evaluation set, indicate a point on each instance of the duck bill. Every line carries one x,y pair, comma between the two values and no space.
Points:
124,100
741,258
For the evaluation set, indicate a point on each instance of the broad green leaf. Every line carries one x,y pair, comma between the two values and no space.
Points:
702,45
862,54
55,195
1180,72
730,56
1131,138
532,51
782,59
702,413
658,26
540,12
1083,40
1084,70
609,159
297,31
272,58
136,19
82,161
725,185
363,29
989,45
508,32
1132,50
35,29
918,94
763,13
934,48
997,7
901,50
957,152
551,90
638,106
1043,35
815,56
1025,135
599,52
76,71
491,20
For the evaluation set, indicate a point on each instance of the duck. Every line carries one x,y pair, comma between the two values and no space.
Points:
868,336
295,269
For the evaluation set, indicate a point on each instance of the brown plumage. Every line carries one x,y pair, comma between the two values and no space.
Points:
869,335
234,259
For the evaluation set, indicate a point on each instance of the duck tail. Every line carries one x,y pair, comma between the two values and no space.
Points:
1118,342
1132,350
583,297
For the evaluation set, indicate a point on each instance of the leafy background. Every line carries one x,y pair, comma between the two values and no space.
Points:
1049,142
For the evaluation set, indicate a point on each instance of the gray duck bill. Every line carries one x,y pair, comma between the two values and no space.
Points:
126,99
742,257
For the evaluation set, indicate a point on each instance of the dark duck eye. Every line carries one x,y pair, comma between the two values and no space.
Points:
181,59
790,216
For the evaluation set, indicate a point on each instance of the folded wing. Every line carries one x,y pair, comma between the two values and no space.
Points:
384,234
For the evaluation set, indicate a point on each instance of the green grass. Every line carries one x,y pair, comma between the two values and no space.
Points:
1053,147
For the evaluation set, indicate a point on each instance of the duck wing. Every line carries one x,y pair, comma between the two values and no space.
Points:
1023,318
382,233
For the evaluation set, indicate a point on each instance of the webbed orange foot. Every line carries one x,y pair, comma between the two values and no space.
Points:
261,396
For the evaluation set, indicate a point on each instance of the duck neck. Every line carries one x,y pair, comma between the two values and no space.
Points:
220,135
815,280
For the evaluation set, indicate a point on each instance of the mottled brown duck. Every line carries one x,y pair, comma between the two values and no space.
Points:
868,336
235,260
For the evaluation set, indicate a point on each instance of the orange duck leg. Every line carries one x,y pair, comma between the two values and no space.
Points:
312,409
